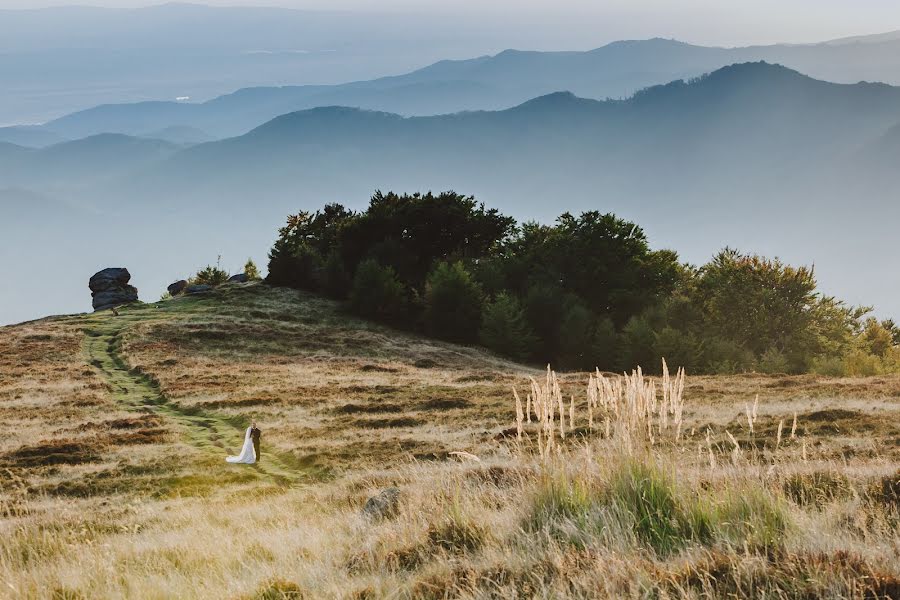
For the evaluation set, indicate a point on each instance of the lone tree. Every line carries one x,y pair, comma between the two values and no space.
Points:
251,271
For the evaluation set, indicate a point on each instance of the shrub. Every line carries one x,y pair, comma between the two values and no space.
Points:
210,276
891,361
725,357
377,293
773,361
452,303
878,337
504,328
861,364
251,270
832,366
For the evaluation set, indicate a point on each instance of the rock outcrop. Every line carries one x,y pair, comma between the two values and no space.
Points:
239,278
109,288
177,287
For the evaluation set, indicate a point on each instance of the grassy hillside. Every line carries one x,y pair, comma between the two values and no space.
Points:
114,482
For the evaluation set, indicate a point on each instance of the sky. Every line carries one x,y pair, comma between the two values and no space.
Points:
721,22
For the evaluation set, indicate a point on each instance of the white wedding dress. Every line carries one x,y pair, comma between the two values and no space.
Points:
247,455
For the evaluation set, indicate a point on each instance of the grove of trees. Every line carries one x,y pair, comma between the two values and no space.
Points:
587,291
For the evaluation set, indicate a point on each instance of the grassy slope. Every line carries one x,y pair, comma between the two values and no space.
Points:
114,481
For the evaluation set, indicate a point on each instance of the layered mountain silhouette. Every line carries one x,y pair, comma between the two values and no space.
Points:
56,60
29,136
752,155
99,157
617,70
740,118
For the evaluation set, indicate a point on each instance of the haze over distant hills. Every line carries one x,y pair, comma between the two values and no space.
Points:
754,155
54,61
495,82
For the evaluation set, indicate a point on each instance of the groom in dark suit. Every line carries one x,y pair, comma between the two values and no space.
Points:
255,434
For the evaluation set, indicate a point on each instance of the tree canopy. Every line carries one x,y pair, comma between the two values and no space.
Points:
585,291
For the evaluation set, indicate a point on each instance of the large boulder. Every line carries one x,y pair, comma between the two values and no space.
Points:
109,288
177,287
239,278
107,279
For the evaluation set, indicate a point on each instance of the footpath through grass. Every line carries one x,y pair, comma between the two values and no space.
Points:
139,392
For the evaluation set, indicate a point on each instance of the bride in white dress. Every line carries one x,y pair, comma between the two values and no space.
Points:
248,454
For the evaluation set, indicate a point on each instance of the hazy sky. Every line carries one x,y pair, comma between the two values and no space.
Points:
725,22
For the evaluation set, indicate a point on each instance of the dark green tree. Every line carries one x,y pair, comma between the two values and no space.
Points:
413,232
759,303
504,328
378,294
606,349
604,260
544,309
577,332
334,279
637,346
302,244
453,302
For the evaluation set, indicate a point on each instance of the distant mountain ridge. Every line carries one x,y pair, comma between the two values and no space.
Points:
507,79
752,155
751,106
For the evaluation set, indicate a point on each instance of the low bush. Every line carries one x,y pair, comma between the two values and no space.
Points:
210,275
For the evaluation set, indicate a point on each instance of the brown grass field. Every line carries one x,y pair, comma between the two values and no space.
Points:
113,482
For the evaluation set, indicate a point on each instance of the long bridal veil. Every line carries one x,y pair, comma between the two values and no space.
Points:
247,455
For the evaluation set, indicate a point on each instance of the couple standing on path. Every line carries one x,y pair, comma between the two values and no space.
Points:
250,451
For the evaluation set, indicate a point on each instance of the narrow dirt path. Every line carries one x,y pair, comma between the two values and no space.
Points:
134,390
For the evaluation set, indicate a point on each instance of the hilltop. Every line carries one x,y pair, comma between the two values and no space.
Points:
118,427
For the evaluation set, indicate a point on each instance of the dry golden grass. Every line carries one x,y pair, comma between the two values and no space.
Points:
102,501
